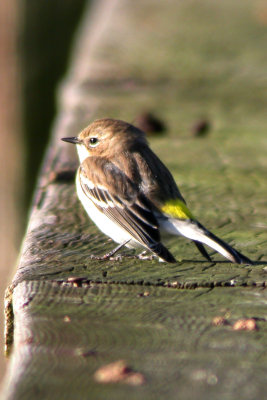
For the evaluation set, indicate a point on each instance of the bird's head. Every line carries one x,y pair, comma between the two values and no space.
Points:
107,138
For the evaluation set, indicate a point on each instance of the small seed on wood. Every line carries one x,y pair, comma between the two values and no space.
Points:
200,128
218,321
117,372
76,281
149,123
144,294
64,175
245,325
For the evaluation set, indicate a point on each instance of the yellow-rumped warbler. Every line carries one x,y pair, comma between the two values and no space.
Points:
131,196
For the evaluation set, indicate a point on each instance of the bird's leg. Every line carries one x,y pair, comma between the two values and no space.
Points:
202,250
111,253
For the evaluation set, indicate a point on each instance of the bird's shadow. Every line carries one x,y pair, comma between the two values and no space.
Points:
213,263
131,254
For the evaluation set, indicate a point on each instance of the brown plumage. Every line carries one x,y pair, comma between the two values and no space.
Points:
125,188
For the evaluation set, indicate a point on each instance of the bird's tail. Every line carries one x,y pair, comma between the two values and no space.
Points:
198,233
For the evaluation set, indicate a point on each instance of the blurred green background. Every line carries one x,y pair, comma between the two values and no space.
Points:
35,42
45,39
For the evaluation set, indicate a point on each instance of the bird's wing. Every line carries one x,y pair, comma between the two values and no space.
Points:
119,198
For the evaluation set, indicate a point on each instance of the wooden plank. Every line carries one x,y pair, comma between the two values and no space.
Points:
67,315
11,155
65,333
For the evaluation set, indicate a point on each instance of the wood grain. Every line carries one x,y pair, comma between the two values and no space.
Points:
167,335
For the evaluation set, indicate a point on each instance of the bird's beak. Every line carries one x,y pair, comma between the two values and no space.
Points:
73,140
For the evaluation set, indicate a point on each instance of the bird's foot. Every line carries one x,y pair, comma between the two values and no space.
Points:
118,257
110,254
145,256
105,257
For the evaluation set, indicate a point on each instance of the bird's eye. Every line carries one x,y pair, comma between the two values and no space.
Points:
93,141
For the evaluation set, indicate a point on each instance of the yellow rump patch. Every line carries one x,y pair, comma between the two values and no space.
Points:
177,209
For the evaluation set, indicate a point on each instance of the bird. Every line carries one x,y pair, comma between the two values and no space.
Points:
131,195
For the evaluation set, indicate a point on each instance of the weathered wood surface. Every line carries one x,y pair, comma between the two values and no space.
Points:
168,336
132,56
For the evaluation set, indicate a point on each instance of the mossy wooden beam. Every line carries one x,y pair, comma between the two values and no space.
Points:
68,315
65,333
